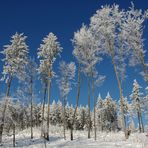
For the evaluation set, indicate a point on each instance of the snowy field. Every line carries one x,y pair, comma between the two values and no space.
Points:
104,140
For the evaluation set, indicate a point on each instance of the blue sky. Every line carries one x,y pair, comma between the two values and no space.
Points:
36,18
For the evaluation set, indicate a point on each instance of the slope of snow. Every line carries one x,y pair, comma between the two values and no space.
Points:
104,140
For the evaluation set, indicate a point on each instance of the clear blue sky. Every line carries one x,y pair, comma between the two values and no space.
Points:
36,18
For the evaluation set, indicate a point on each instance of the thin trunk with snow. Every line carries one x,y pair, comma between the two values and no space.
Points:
89,120
77,102
5,107
48,112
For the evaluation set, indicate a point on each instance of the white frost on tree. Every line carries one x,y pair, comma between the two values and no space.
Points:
16,56
66,79
136,97
47,53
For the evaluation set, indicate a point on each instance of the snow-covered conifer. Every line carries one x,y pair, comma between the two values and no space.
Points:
47,53
16,56
136,103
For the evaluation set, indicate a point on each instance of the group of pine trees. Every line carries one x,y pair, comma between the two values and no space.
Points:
113,33
108,115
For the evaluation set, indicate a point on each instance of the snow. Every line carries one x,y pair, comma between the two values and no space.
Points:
104,140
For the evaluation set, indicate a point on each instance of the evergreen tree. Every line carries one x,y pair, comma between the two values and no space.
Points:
136,102
16,56
47,54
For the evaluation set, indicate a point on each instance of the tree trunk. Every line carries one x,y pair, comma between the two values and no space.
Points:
142,123
77,102
5,107
121,97
89,120
13,135
43,110
64,122
71,133
31,91
138,114
119,86
93,96
48,113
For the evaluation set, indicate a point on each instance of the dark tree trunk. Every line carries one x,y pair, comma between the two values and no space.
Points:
43,109
142,124
31,91
140,114
93,96
71,133
139,121
121,97
14,135
5,107
48,113
64,121
77,102
89,120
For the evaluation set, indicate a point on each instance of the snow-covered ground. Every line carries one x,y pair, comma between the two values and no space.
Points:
104,140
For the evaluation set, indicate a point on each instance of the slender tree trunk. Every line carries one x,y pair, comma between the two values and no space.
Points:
140,118
101,122
48,113
22,121
121,97
9,128
64,121
31,91
125,120
142,124
77,102
71,133
43,109
13,135
141,127
139,121
120,88
140,114
5,107
89,120
93,96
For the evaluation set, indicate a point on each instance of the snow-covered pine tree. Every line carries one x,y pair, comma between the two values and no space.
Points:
136,103
16,55
100,113
59,113
110,115
53,113
65,82
107,103
47,54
